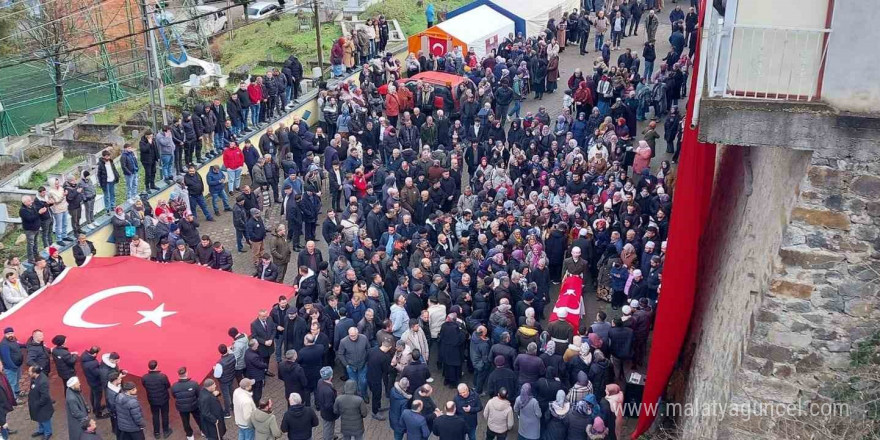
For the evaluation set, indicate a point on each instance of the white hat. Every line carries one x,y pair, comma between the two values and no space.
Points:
583,232
637,273
562,313
626,310
634,303
72,381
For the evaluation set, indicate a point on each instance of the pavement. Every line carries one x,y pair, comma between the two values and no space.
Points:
223,231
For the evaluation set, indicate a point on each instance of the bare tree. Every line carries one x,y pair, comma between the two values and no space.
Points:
49,29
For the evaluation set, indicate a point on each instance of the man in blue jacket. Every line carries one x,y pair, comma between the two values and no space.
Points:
130,170
10,354
216,183
129,415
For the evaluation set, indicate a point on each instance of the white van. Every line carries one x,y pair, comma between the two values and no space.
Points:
213,23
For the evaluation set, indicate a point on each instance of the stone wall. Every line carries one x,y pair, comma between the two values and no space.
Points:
822,298
789,282
755,189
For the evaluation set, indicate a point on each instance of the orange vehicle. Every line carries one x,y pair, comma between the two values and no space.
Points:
439,80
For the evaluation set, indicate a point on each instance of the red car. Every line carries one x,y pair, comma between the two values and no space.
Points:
438,80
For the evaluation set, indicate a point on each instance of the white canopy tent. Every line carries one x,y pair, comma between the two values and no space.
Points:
481,29
536,13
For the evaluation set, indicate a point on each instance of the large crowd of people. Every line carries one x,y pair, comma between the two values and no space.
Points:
447,217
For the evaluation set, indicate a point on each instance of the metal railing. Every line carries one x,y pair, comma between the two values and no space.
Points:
766,62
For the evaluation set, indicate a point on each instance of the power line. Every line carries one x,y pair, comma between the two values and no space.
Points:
69,16
113,40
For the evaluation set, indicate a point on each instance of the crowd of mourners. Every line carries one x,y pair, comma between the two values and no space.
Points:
448,218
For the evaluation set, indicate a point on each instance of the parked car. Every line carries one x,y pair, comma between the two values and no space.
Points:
262,10
211,24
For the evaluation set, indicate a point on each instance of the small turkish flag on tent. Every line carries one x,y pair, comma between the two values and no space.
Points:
437,45
571,300
174,313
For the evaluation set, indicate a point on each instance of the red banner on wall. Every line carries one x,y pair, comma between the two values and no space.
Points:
693,193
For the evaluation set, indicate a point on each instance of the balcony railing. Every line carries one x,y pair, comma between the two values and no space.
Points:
764,62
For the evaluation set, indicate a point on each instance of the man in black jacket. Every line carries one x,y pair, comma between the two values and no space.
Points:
30,223
222,258
296,74
40,405
449,425
278,315
195,187
256,368
310,206
224,372
74,196
149,158
37,276
378,371
245,100
157,385
219,125
178,135
213,423
325,397
294,376
90,366
108,177
233,107
65,360
186,401
621,346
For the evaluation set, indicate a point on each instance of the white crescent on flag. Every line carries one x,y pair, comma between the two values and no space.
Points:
74,315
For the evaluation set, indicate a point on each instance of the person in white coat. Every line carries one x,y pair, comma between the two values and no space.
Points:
243,406
13,291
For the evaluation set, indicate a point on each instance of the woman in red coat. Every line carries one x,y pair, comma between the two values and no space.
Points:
360,181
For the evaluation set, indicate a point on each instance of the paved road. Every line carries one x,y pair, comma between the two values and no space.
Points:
222,230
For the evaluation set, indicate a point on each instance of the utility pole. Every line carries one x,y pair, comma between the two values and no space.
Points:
230,21
157,77
318,38
145,22
153,71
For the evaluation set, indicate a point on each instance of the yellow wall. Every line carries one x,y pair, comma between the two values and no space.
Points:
99,236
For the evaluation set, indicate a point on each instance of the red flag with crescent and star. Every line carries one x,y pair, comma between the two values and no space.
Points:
437,45
174,313
571,300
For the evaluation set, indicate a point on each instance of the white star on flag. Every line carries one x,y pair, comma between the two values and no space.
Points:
570,292
155,316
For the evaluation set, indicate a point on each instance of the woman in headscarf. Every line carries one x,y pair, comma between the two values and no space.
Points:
578,419
579,363
121,232
555,428
538,74
336,54
536,254
597,429
642,159
612,409
412,65
581,388
628,255
529,413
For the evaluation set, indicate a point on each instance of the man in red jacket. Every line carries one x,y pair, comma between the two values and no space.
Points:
255,93
233,160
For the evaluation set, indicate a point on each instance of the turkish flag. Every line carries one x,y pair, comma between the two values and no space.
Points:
174,313
437,45
571,300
